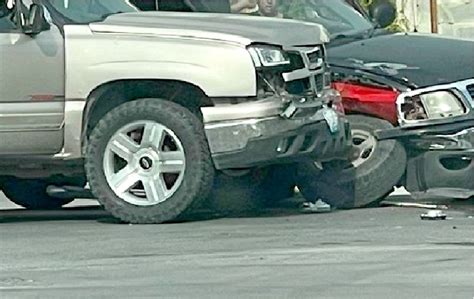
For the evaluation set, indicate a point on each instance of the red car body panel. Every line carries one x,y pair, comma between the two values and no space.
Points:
373,101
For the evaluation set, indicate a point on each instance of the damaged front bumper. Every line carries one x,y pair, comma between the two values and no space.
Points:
272,131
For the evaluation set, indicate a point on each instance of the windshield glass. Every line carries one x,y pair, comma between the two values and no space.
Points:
337,16
87,11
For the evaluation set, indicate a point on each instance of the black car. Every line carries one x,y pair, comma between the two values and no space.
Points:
410,99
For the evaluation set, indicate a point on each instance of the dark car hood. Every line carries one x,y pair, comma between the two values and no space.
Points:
418,60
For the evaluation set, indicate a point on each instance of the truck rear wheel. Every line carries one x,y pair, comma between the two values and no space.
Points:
148,161
366,179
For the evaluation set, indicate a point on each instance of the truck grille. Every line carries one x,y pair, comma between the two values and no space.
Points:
315,58
296,61
319,82
310,60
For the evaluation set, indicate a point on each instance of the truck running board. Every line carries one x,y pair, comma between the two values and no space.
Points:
69,192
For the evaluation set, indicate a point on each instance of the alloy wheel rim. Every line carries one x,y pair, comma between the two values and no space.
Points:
144,163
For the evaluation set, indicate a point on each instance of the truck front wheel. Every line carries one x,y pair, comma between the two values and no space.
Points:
148,161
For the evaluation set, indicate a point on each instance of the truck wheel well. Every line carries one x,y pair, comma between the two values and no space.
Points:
109,95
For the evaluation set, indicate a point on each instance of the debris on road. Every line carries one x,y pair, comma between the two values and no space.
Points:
413,205
317,207
433,215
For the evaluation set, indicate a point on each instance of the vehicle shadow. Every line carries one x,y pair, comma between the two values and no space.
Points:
71,214
286,208
96,213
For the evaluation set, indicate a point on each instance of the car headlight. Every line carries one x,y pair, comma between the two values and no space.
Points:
268,56
432,105
441,104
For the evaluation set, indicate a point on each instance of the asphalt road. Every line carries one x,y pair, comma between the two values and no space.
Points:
368,253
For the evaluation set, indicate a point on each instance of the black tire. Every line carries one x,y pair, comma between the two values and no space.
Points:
31,194
255,190
344,186
198,175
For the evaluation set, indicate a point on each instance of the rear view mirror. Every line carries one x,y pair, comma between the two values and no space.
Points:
383,13
35,22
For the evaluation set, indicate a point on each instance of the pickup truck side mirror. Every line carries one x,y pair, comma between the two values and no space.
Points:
383,13
36,22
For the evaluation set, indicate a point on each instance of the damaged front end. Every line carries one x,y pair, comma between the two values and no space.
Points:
295,114
437,128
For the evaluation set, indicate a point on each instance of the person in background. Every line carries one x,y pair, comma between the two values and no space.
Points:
269,8
244,6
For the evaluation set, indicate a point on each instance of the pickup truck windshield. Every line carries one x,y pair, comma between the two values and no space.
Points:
88,11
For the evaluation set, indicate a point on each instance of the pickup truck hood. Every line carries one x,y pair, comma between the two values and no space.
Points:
226,27
418,60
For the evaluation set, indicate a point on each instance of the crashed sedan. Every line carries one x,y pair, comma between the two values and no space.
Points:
410,100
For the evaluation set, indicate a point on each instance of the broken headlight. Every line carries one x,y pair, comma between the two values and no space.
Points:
433,105
268,56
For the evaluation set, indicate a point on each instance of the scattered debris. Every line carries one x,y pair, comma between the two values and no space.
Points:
318,207
433,215
414,205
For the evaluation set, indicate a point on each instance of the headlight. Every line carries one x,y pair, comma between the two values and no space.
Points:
441,104
268,56
432,105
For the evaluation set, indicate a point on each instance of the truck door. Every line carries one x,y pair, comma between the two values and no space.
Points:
31,89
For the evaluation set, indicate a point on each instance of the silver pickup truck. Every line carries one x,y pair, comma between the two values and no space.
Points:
146,106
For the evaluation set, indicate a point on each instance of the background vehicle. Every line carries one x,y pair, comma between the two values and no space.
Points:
151,106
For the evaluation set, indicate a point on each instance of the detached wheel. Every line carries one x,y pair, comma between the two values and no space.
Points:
148,161
368,178
31,194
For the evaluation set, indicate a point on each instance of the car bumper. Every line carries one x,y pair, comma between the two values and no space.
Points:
441,158
300,131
